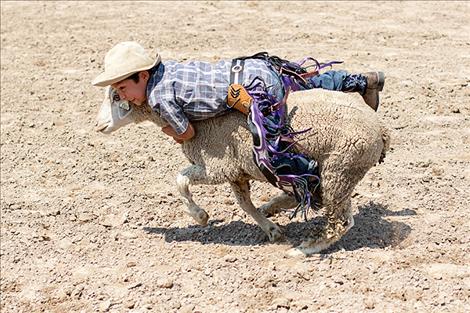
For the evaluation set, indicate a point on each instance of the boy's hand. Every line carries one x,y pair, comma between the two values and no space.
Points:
188,134
169,131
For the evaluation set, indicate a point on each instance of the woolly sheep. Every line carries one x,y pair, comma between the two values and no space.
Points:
346,140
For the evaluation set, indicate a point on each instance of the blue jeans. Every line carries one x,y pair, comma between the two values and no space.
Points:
331,80
340,81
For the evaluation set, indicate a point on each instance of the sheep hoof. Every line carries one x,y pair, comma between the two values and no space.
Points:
268,210
302,251
295,253
313,246
274,233
201,217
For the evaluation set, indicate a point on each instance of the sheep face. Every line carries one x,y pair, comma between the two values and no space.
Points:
114,113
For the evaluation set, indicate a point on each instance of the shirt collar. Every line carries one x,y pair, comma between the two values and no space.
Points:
156,75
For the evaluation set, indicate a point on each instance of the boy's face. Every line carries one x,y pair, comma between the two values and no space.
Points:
131,91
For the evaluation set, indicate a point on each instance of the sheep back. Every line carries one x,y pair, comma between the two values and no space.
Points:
346,138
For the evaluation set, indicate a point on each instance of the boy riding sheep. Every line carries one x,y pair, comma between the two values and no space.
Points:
193,91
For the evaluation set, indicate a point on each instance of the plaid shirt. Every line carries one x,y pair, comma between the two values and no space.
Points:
198,90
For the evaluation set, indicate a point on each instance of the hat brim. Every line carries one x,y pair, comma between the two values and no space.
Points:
105,79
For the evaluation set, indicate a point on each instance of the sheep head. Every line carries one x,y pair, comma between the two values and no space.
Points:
115,113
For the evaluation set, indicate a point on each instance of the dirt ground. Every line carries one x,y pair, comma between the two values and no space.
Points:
94,223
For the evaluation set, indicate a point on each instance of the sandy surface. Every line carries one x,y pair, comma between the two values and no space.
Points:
93,223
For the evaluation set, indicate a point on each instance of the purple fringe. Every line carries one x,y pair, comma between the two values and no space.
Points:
276,141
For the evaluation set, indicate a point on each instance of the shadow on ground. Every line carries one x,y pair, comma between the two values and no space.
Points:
370,230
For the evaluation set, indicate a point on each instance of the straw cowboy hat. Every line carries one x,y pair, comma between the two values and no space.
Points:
123,60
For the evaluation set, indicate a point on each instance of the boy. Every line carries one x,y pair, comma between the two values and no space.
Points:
181,93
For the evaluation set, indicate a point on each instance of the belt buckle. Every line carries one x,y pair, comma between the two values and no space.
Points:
237,68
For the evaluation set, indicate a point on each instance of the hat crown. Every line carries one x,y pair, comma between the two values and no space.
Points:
123,60
126,57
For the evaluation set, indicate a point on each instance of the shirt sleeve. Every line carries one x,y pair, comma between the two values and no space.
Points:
171,112
163,102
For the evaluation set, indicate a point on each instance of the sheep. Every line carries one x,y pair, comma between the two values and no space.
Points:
346,140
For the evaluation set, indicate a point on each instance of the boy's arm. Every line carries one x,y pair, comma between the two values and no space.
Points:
179,126
186,135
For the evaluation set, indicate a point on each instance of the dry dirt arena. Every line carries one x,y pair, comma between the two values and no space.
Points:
93,223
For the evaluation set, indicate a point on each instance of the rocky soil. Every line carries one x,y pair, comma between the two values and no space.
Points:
93,223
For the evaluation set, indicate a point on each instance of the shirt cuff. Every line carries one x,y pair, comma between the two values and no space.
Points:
182,127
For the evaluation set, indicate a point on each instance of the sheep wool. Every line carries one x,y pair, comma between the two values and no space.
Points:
346,139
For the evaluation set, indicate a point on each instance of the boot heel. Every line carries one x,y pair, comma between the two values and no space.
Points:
381,81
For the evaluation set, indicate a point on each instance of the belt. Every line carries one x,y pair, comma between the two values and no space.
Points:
236,71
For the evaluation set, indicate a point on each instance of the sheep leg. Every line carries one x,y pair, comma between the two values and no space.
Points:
276,204
241,190
340,220
190,175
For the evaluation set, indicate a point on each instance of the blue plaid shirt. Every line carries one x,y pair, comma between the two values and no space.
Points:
197,90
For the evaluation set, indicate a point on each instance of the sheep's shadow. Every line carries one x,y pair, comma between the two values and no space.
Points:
370,230
234,233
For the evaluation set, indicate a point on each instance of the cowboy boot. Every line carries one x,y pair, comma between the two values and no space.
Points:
375,83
